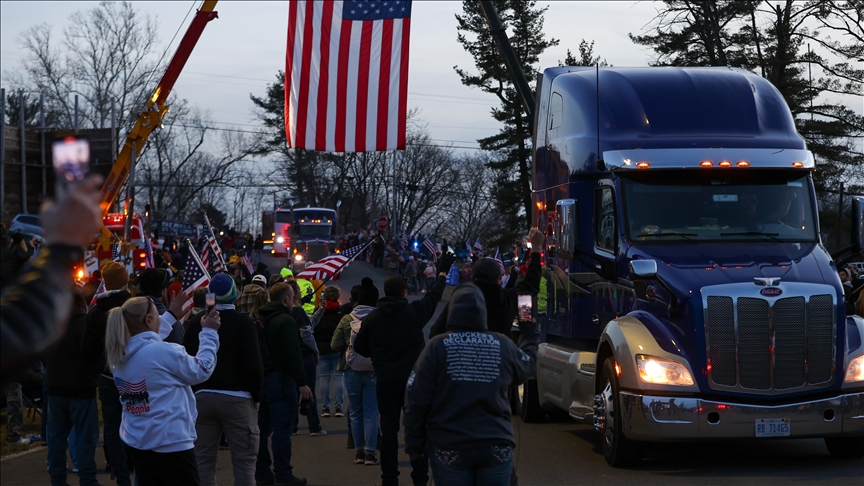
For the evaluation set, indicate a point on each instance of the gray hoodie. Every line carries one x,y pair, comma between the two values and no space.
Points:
457,393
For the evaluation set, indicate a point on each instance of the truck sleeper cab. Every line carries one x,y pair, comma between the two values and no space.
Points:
688,293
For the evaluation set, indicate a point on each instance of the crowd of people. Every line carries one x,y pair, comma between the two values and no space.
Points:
178,377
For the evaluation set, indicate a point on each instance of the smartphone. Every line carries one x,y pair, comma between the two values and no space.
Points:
71,159
211,302
524,303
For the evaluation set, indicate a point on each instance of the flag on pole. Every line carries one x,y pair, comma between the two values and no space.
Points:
194,276
324,269
214,257
247,259
477,245
404,240
500,263
432,250
148,251
468,246
346,75
115,251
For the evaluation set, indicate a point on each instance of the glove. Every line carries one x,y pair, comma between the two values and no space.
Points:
446,262
307,298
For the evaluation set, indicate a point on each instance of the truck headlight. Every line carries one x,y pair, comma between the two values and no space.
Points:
280,240
855,371
298,257
662,371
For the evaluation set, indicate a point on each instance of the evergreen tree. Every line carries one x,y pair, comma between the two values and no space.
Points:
523,21
586,56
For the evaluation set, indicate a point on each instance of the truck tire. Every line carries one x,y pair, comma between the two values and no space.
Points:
845,447
529,402
618,449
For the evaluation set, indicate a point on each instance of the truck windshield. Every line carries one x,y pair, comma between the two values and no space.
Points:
709,205
316,231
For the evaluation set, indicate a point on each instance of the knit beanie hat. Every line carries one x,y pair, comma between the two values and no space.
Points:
285,273
223,286
486,269
115,276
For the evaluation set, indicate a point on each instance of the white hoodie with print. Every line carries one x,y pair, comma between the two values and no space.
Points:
155,382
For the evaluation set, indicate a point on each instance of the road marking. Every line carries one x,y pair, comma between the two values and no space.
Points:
22,453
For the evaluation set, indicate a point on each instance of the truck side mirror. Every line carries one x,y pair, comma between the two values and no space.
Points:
858,223
643,269
568,228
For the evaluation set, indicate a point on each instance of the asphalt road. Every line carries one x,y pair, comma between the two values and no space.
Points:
550,453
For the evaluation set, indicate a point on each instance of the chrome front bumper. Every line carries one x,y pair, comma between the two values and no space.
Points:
653,418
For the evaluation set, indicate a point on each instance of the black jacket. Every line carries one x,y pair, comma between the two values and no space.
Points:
457,393
238,360
283,341
35,307
66,373
177,329
392,334
325,329
93,341
500,303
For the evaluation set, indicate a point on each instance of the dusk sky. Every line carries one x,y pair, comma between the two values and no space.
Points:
241,51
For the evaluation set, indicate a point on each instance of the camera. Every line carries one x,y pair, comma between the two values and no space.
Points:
304,407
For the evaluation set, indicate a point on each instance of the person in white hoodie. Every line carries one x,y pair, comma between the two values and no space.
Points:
155,379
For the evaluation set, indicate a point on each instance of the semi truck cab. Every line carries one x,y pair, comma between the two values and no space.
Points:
689,295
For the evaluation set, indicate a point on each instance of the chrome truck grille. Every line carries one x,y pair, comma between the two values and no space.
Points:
316,250
769,345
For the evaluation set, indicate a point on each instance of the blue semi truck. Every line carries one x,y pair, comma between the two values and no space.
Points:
688,295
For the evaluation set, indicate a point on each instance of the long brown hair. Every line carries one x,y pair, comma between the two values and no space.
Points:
260,298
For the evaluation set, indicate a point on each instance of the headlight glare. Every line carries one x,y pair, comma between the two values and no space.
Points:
298,257
663,371
280,240
855,370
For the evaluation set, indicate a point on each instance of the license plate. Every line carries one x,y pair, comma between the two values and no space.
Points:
772,427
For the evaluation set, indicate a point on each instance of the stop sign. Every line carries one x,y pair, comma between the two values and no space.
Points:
383,222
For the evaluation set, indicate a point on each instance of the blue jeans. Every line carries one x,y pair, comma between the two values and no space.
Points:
277,414
312,418
63,415
484,466
363,408
112,414
412,285
328,374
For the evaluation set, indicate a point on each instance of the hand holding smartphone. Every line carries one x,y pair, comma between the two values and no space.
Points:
71,159
524,302
211,302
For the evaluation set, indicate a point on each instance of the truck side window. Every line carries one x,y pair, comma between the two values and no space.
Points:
556,112
604,219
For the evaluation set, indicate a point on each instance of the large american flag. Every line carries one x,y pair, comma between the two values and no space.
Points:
346,75
332,266
194,275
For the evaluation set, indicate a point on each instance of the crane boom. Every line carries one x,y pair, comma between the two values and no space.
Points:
152,114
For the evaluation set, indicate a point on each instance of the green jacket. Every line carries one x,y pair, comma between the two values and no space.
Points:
283,341
342,335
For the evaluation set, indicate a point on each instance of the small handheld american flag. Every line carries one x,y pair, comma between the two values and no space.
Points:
194,275
432,250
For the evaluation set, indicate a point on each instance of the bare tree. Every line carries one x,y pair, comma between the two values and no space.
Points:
471,211
107,55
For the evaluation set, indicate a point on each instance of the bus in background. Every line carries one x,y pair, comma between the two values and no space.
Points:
307,234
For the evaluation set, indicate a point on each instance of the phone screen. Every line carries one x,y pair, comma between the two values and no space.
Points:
524,302
211,301
71,159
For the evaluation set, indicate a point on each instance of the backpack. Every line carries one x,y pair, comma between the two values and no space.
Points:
266,362
356,361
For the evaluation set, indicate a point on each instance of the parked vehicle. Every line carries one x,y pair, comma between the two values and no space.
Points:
29,224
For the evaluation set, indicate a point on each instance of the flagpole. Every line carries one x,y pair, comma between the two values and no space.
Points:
195,256
210,227
324,282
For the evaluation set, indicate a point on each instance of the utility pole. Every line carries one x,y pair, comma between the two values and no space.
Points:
42,143
838,244
2,150
21,138
76,115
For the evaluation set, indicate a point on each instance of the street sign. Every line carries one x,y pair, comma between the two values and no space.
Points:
383,222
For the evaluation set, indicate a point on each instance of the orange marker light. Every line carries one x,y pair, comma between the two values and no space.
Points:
617,370
743,163
706,163
797,164
643,165
80,274
724,163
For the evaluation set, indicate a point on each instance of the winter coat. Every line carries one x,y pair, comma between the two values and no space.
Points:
283,341
155,382
342,336
327,326
456,397
392,335
66,373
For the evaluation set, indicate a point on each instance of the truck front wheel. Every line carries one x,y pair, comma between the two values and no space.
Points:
845,447
529,402
618,449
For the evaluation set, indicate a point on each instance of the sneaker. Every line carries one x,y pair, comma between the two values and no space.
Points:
320,432
325,412
21,441
338,413
295,481
265,482
359,458
371,460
